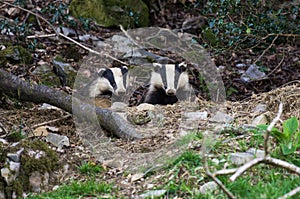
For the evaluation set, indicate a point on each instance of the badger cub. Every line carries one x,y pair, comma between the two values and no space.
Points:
109,81
168,83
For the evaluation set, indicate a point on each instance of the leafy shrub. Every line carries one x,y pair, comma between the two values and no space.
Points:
243,24
289,137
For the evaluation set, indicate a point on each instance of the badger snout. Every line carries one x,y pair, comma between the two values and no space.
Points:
120,92
171,92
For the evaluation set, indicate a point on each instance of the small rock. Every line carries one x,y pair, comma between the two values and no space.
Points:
119,107
196,115
261,119
58,140
37,154
208,187
221,117
2,195
241,65
240,158
11,173
252,73
35,181
136,177
145,107
122,44
256,152
15,157
152,194
3,141
260,108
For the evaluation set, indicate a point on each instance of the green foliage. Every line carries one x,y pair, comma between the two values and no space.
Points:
243,24
289,137
90,168
75,190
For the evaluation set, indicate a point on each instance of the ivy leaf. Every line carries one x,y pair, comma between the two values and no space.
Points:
248,31
290,126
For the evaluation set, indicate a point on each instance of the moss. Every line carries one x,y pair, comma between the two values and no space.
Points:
15,136
15,54
112,12
48,163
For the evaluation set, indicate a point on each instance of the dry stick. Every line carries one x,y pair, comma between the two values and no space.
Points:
129,37
40,36
266,49
91,50
213,177
51,121
243,168
276,67
224,172
291,193
269,129
35,14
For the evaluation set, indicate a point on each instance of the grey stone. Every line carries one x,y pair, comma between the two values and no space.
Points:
252,73
10,172
261,119
15,156
35,181
240,158
37,154
260,108
221,117
152,194
256,152
241,65
119,107
145,107
58,140
208,187
122,44
3,141
198,115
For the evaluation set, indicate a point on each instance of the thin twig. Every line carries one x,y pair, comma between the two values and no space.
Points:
35,14
243,168
269,129
4,129
51,121
266,49
276,66
129,37
213,177
283,164
40,36
91,50
225,172
291,193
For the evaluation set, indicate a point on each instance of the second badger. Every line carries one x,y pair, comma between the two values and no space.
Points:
168,83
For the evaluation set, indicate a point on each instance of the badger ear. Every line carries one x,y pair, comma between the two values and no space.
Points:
101,72
124,69
156,67
182,66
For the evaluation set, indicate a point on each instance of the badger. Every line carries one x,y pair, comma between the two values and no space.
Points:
111,81
168,83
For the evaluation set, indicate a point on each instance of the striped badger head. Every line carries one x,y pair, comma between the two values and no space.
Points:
109,81
168,83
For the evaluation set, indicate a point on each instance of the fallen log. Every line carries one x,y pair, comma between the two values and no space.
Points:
14,87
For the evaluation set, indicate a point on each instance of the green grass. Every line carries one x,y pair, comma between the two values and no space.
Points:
74,190
185,175
90,168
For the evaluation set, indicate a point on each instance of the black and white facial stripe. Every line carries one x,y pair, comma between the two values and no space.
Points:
168,83
109,81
